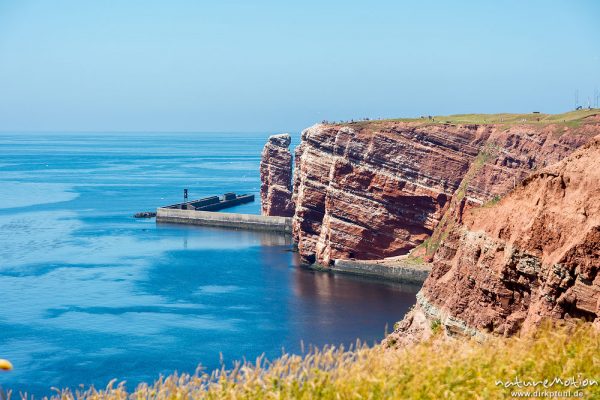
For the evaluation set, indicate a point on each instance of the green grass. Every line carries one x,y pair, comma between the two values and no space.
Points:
495,200
413,260
571,119
455,369
436,326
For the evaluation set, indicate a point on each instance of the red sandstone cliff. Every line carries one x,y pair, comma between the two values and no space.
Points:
534,255
513,231
276,177
378,189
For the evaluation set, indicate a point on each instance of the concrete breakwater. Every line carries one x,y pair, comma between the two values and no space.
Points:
227,220
382,269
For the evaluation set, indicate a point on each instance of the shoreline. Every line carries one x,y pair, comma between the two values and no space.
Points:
395,269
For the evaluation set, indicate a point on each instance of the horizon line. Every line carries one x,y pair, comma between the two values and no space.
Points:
138,131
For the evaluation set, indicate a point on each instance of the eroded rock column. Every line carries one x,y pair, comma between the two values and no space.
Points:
276,177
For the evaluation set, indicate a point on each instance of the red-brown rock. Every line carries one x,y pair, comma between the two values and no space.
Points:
535,255
378,189
276,177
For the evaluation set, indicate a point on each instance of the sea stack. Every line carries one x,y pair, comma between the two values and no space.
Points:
276,177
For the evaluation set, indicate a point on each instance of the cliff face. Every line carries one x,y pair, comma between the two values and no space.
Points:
378,189
368,194
512,153
510,213
534,255
276,177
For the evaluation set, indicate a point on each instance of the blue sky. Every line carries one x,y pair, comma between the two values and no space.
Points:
77,65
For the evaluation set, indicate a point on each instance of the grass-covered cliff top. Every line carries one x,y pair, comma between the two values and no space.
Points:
571,118
455,369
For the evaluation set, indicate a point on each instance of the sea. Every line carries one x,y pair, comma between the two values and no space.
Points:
89,294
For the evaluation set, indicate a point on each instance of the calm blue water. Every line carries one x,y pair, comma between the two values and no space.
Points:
89,293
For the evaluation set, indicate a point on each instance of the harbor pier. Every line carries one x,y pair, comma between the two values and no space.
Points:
222,219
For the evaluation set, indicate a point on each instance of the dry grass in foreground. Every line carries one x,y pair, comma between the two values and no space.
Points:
434,370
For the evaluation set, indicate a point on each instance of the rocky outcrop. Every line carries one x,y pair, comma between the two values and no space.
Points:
371,193
276,177
512,153
534,255
378,189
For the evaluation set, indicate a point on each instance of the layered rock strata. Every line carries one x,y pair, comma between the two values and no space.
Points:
276,177
533,256
375,190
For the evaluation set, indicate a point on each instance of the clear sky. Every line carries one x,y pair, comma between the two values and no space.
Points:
177,65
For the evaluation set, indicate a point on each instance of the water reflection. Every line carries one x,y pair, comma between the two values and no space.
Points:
327,285
335,307
241,237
